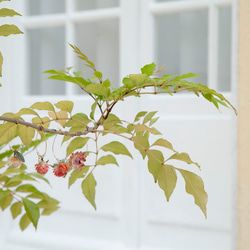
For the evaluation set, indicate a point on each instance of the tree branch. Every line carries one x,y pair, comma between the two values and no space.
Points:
47,130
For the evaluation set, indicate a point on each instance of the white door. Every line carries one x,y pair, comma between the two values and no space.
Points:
120,37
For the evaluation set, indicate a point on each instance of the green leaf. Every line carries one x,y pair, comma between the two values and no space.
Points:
9,29
195,187
148,69
16,209
141,143
77,174
116,148
49,211
163,143
1,64
26,111
43,106
167,179
76,119
106,83
48,203
26,188
6,201
39,176
44,122
183,157
88,189
187,75
76,143
21,177
26,134
7,132
149,116
98,89
107,159
24,222
8,12
93,107
32,211
139,115
98,74
138,79
155,162
65,106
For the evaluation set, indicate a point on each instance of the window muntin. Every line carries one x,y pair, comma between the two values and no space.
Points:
224,48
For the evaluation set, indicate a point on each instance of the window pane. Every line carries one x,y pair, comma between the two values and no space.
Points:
224,49
46,51
42,7
95,4
99,41
181,43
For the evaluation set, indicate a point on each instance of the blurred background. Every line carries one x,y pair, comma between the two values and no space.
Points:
120,37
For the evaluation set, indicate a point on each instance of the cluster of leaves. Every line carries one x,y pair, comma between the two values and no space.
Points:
7,29
17,191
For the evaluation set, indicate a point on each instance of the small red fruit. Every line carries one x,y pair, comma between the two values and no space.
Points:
42,167
61,169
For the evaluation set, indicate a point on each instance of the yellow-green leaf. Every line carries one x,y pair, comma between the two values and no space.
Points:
163,143
9,29
116,148
44,122
32,211
195,187
141,143
7,132
43,106
27,111
16,209
26,134
79,118
155,162
60,117
167,179
98,89
65,106
76,143
6,201
48,203
88,189
49,211
24,222
107,159
76,174
8,12
183,157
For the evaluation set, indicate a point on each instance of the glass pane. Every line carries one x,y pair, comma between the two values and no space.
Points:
96,4
224,49
99,41
43,7
46,51
181,43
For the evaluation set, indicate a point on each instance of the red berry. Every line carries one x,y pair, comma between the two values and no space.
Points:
42,167
61,169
